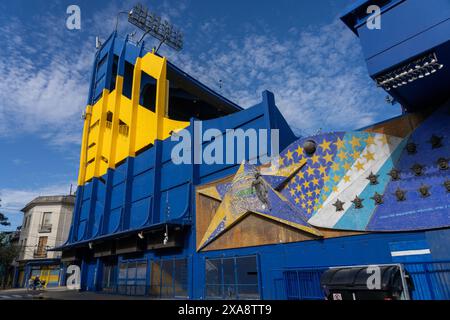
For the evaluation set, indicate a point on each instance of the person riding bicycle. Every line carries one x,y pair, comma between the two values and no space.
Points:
36,282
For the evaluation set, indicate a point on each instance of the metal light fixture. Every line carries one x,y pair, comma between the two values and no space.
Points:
117,17
151,24
98,43
166,236
410,72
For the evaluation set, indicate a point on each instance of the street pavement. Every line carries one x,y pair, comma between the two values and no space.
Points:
61,293
19,294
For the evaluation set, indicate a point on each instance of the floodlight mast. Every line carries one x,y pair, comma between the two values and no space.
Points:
117,17
151,24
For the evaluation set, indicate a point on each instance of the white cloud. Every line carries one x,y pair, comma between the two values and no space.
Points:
45,87
16,199
47,71
13,200
318,76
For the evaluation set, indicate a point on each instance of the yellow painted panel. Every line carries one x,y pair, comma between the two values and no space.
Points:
93,133
84,145
90,171
101,133
91,153
114,142
173,125
125,110
145,133
103,168
114,107
96,111
122,140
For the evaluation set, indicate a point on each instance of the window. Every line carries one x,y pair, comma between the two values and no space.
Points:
132,277
155,280
123,128
114,72
47,218
169,279
25,222
247,277
147,98
214,278
180,278
232,278
109,119
128,79
46,223
109,277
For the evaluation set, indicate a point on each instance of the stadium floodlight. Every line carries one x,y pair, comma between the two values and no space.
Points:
151,24
410,72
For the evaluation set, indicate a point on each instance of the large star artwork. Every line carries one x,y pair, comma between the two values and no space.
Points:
254,190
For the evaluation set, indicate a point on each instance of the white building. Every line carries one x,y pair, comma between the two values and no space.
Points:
46,224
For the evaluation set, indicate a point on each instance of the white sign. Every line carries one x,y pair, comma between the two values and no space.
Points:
337,296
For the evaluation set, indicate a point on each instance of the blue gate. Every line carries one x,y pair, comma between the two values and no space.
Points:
303,284
431,281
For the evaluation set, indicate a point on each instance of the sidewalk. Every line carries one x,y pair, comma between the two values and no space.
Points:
62,293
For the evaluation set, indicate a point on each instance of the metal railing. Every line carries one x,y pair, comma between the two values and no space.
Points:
40,253
124,129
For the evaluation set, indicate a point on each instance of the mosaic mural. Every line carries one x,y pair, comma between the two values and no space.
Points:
356,181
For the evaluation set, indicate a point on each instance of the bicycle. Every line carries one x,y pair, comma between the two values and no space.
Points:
32,287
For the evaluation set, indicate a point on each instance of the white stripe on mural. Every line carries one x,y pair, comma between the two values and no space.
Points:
410,252
327,216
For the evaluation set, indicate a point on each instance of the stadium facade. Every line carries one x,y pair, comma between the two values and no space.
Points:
144,225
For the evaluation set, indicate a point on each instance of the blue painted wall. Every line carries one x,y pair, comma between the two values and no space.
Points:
136,194
409,30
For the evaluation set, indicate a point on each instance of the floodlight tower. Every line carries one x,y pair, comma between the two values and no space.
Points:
160,29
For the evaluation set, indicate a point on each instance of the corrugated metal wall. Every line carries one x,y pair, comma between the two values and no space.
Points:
431,281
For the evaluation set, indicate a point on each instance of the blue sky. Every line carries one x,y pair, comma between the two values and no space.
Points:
298,49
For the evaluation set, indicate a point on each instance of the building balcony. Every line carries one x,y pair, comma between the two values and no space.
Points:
45,228
40,253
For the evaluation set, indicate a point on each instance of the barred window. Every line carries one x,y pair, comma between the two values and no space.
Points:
169,278
132,278
232,278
